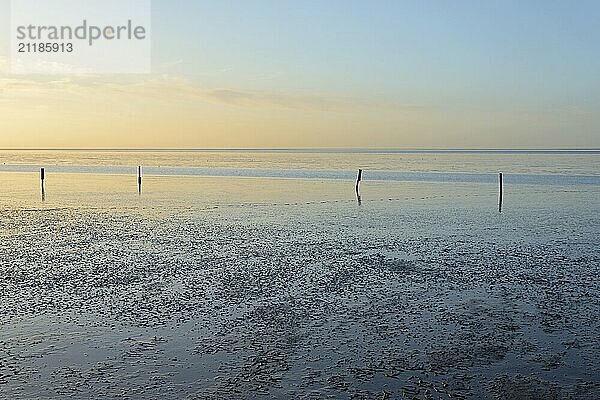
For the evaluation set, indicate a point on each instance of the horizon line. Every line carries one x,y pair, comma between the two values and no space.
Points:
305,149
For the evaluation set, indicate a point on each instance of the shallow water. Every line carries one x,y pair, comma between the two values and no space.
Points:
288,288
476,162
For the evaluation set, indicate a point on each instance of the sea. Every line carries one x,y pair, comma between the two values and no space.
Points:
267,274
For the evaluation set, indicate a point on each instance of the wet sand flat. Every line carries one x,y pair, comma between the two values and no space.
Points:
217,288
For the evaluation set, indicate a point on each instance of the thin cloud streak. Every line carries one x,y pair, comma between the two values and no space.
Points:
169,88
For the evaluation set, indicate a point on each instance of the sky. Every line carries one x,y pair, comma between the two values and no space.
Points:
329,74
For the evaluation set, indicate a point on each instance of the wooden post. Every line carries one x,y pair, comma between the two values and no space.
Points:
43,178
500,193
140,179
358,179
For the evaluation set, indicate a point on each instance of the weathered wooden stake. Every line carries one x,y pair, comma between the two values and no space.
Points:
43,178
140,179
501,190
358,179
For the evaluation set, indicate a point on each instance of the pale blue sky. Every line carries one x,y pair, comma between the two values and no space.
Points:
515,49
481,60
